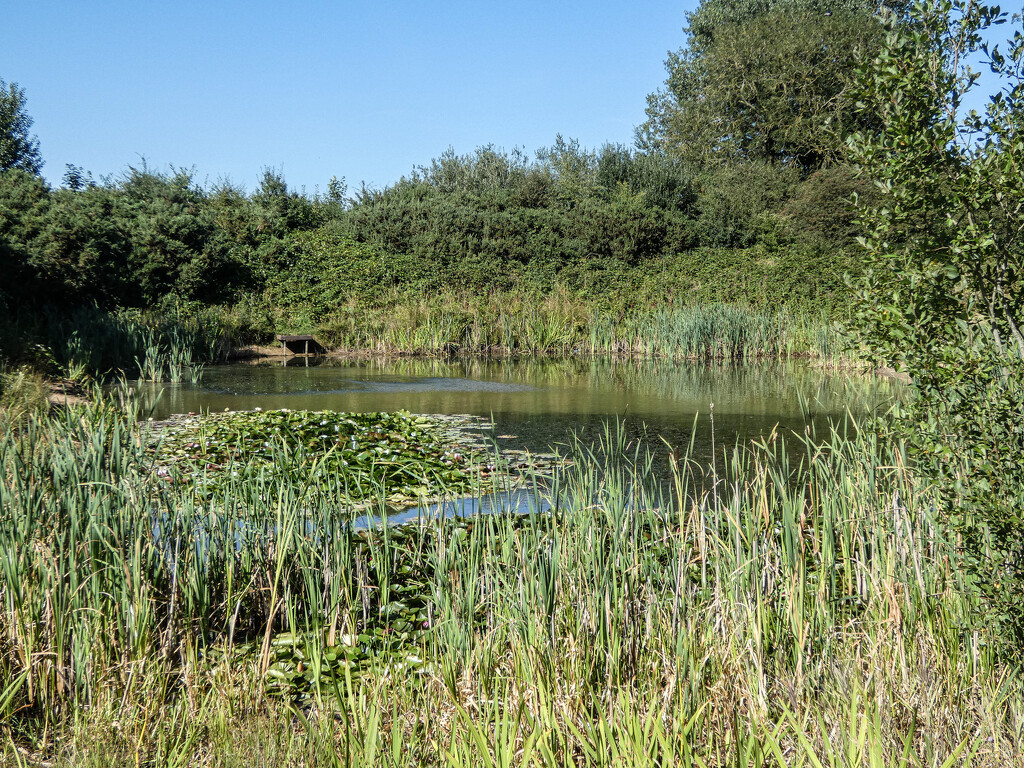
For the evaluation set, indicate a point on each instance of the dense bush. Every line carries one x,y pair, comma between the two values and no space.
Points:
737,200
821,209
563,211
323,270
943,297
24,206
613,228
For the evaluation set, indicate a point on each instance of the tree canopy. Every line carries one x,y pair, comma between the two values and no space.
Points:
17,148
767,80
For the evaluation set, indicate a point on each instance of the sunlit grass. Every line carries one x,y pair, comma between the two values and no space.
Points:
23,392
746,614
561,324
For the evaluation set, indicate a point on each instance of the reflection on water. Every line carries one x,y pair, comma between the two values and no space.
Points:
536,404
521,501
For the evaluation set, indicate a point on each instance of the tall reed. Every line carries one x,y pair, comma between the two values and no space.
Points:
764,614
88,342
564,324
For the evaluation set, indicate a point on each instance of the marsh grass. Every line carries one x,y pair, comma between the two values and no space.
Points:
561,323
757,613
23,393
175,344
90,343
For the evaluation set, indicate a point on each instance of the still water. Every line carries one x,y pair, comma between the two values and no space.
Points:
540,404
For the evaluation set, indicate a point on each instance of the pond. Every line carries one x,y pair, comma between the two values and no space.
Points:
540,404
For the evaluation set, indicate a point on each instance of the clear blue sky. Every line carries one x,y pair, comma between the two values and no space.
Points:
315,89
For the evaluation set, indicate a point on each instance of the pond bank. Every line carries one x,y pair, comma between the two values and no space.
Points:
569,325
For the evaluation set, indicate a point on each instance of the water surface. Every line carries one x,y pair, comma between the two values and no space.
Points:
539,404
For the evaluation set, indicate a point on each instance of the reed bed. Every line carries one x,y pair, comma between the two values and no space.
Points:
22,393
175,345
750,613
90,343
561,324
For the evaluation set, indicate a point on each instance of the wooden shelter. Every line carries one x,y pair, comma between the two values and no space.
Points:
301,344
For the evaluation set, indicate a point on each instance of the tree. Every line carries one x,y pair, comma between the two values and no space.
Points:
17,148
178,251
24,212
943,297
83,253
821,211
279,209
765,80
663,181
737,200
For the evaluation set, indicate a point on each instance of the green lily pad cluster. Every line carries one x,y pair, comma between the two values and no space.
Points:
386,634
298,666
300,663
398,455
395,629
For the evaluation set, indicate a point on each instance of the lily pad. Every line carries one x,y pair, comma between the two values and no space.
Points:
396,456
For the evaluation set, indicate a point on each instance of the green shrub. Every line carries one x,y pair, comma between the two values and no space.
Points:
324,269
943,297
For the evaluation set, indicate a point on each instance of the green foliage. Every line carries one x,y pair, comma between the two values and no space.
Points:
488,168
485,216
279,210
737,201
85,251
573,167
17,148
146,240
766,278
569,220
765,81
705,23
595,222
662,181
821,210
24,206
178,251
944,296
322,270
